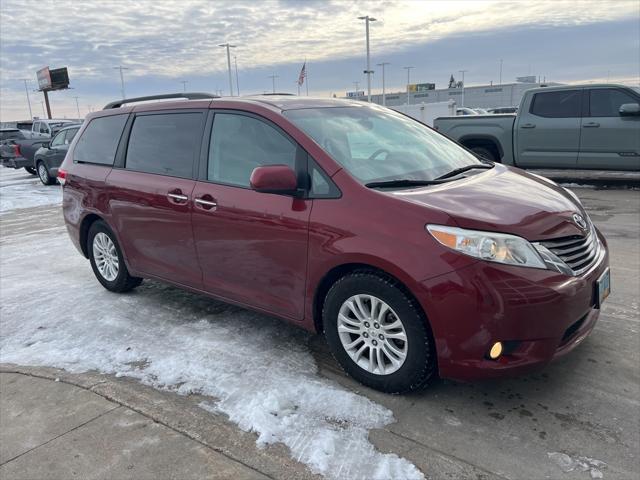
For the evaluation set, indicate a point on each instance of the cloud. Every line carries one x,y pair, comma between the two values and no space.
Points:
179,39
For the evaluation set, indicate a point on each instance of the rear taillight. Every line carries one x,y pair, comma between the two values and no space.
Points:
16,150
62,176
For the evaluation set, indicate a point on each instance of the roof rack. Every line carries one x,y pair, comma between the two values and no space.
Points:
277,93
188,96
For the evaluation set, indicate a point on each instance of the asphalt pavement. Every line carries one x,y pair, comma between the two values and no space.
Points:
576,419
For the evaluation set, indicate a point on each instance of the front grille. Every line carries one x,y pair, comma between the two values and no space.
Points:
578,252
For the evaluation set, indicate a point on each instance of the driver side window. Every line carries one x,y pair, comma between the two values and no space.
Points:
240,143
58,139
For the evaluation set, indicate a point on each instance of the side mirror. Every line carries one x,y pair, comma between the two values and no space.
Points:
629,109
279,179
46,145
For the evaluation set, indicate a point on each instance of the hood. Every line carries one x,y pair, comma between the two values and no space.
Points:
503,199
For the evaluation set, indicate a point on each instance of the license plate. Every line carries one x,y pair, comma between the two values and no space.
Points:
603,287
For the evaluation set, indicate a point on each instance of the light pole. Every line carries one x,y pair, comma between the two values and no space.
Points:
235,61
500,71
78,108
26,90
462,72
121,68
384,93
368,71
228,46
184,85
44,113
273,81
408,69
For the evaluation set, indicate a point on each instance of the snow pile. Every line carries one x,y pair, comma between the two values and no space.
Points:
584,464
19,189
54,313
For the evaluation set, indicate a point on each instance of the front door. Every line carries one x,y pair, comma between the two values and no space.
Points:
252,246
609,141
151,197
547,134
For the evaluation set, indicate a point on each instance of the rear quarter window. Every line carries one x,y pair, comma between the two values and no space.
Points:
99,141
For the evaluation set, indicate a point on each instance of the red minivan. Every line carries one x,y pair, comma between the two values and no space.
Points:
412,255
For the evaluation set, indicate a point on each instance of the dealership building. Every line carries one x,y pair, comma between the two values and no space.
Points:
478,96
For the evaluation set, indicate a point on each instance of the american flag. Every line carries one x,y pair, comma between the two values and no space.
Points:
303,73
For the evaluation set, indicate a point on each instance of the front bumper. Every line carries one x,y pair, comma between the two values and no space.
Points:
15,162
538,314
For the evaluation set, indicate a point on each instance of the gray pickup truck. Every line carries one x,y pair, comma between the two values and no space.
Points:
568,127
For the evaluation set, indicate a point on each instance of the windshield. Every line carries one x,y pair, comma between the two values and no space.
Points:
376,144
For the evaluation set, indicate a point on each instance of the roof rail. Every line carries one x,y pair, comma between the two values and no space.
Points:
278,93
188,96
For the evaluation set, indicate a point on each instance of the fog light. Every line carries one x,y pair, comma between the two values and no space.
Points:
495,351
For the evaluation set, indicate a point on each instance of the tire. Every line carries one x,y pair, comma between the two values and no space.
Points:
484,153
119,282
43,174
31,170
419,363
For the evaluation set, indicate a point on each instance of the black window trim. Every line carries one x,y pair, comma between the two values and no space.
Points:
587,100
303,158
115,158
123,146
580,101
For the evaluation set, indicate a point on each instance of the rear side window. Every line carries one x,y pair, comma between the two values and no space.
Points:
562,104
606,102
99,140
164,143
241,143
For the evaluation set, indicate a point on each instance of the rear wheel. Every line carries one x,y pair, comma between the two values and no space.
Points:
378,333
107,261
43,174
31,170
485,153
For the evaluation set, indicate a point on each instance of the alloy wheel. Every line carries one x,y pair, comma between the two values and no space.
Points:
106,256
372,334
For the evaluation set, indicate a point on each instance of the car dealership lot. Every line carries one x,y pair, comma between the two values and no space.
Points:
576,419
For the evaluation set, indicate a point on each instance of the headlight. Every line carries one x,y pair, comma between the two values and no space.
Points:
490,246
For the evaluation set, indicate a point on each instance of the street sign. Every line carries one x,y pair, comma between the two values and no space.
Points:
359,93
527,79
421,87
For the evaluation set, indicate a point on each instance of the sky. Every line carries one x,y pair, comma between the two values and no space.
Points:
165,42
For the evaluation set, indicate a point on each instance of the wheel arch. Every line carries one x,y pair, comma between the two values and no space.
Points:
87,221
487,141
339,271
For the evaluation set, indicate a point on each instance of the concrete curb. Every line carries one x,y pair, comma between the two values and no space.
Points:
182,415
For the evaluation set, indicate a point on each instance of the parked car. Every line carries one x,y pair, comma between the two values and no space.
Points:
481,111
465,111
50,155
19,153
11,134
413,257
574,127
503,110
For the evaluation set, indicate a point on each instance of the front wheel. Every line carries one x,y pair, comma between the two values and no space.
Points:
378,333
43,174
107,261
31,170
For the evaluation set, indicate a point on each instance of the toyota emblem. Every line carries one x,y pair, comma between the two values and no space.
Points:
580,221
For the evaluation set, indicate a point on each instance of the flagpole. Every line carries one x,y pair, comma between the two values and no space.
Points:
306,74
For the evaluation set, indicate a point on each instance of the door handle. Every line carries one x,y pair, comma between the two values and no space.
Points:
528,125
591,125
177,197
206,204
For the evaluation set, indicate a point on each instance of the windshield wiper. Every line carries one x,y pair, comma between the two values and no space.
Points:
460,170
402,182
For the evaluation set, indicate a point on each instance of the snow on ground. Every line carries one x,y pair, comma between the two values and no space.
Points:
583,464
53,312
19,189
